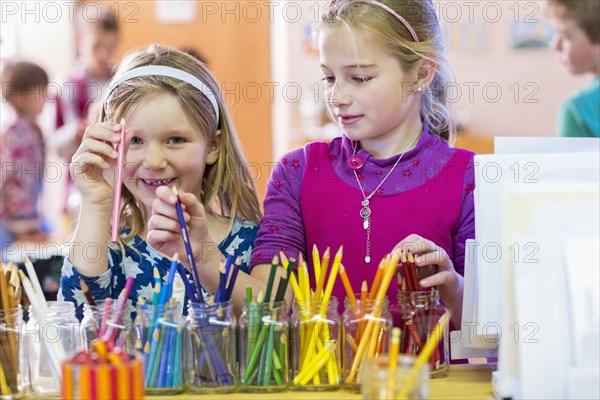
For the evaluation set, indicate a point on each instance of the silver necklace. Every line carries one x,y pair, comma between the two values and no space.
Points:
365,211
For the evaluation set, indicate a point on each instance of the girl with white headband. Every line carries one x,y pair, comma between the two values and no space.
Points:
391,181
178,134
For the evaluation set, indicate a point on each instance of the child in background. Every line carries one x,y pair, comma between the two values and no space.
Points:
96,41
22,153
384,71
577,41
179,134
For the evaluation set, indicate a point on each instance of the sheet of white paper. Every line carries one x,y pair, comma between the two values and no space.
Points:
582,258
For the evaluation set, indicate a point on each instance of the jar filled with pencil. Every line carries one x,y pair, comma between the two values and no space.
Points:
316,351
13,376
159,328
357,314
417,313
97,317
12,382
210,347
52,335
263,345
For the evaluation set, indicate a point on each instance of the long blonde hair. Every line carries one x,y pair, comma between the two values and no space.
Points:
386,29
227,187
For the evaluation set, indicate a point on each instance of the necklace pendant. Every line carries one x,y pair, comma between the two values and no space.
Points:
365,213
365,203
367,259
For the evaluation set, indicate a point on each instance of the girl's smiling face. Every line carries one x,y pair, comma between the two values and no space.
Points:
164,148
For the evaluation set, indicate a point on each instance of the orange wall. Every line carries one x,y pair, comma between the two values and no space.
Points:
236,46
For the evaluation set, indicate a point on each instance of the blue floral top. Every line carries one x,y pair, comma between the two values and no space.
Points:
140,260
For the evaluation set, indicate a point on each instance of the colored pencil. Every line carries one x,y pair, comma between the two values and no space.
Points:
118,184
188,246
86,292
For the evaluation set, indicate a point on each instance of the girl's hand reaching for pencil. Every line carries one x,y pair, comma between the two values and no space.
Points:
428,254
164,230
93,164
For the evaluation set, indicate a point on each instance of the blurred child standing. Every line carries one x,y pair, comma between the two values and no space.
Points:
22,153
96,41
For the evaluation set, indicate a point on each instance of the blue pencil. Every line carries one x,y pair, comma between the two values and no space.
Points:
164,358
222,280
188,287
167,289
188,246
175,376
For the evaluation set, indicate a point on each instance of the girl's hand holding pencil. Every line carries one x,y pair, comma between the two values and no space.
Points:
92,166
164,229
426,253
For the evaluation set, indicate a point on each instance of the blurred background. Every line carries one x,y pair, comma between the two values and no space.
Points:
508,81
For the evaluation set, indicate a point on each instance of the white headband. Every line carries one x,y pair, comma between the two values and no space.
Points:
161,70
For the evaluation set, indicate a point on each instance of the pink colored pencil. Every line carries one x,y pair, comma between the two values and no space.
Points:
118,184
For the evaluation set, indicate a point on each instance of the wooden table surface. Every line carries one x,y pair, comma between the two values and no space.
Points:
463,382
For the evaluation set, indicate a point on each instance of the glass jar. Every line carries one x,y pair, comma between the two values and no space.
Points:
316,338
264,347
97,318
378,382
52,336
12,364
417,314
159,331
211,345
356,318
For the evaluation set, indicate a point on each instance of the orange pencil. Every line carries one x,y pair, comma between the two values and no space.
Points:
377,279
347,285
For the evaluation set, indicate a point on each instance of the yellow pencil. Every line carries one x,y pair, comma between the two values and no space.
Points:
393,359
316,262
315,365
332,276
322,275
